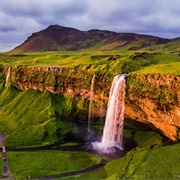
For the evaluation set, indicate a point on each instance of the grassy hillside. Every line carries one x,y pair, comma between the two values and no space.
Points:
59,38
31,114
143,163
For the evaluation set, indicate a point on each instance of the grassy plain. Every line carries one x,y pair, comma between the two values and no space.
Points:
43,163
114,61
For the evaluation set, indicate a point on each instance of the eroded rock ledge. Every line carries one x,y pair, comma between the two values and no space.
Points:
154,99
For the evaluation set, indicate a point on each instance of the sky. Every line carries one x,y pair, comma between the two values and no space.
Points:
20,18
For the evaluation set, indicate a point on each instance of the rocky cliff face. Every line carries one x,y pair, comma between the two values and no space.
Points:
153,99
71,83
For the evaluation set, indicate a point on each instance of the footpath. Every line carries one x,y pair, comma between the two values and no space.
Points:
6,172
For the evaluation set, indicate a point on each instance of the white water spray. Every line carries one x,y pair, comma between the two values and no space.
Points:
113,129
90,103
7,76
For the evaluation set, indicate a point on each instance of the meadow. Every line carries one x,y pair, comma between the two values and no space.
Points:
113,62
44,163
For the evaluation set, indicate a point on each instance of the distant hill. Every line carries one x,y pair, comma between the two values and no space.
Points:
57,38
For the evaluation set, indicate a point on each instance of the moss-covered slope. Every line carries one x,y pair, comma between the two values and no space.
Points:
29,117
144,163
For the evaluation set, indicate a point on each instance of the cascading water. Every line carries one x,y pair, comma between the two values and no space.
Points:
113,129
112,133
7,76
90,103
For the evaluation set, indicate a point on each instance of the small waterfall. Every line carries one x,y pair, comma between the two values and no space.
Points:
113,128
7,76
90,103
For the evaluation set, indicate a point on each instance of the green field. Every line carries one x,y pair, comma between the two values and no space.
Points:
43,163
143,163
114,62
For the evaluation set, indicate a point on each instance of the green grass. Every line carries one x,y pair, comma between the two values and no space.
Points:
147,138
44,163
169,68
63,59
31,114
127,134
1,168
112,61
99,174
143,163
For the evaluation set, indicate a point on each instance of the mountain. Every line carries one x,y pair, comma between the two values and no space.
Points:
55,38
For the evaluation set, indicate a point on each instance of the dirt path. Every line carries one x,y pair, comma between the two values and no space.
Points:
62,148
73,173
6,171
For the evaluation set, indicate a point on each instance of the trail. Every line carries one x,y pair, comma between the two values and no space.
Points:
73,173
62,148
6,172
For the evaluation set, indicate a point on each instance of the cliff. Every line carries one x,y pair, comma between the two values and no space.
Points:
70,83
153,99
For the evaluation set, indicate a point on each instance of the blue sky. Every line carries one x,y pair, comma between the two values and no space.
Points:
20,18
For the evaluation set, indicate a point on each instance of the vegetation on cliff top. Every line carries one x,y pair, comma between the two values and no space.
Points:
104,62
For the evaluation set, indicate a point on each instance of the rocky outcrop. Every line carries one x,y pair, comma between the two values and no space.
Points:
153,99
71,83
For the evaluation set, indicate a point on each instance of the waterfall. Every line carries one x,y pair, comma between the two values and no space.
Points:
112,133
90,103
7,76
113,128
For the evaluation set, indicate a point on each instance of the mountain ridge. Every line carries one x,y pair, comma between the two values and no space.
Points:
60,38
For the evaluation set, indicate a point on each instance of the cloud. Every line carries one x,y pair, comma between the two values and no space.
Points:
20,18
